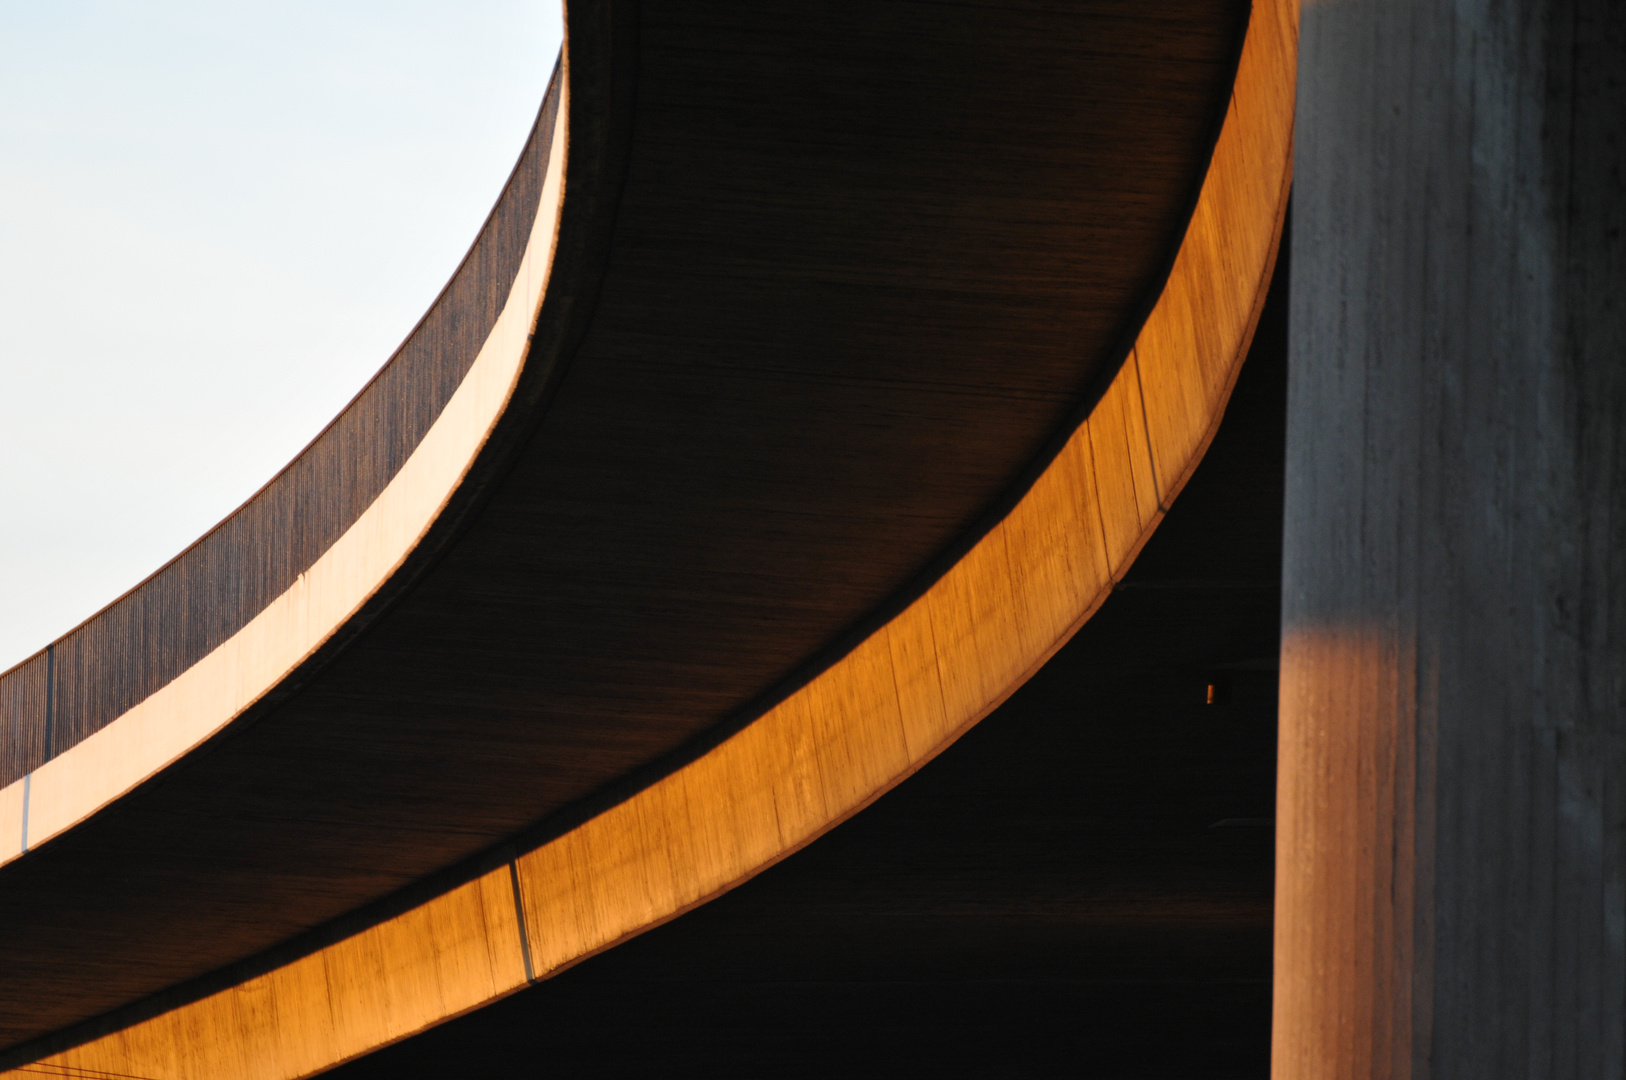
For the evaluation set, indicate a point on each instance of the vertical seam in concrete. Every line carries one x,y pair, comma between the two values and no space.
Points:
1095,497
1146,426
897,692
50,701
28,782
519,916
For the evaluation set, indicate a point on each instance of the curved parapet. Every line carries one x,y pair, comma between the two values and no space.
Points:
201,695
813,577
164,666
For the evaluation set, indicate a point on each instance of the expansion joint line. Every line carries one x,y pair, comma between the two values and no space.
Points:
519,917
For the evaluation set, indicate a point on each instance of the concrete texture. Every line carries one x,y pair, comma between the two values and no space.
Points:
1452,850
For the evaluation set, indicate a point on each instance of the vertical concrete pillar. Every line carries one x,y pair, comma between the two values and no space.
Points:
1451,861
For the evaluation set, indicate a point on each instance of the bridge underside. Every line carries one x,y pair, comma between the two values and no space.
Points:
819,373
1082,883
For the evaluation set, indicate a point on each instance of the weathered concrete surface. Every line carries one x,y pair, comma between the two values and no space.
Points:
1451,878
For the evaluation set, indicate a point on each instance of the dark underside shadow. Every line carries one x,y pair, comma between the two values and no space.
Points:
1080,886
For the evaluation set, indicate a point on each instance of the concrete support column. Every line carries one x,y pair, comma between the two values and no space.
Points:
1451,861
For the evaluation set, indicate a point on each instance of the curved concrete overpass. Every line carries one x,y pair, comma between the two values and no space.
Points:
812,381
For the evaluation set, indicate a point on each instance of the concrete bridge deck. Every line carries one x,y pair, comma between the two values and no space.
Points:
815,377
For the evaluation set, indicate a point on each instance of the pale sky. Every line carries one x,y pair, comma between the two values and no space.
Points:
217,220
